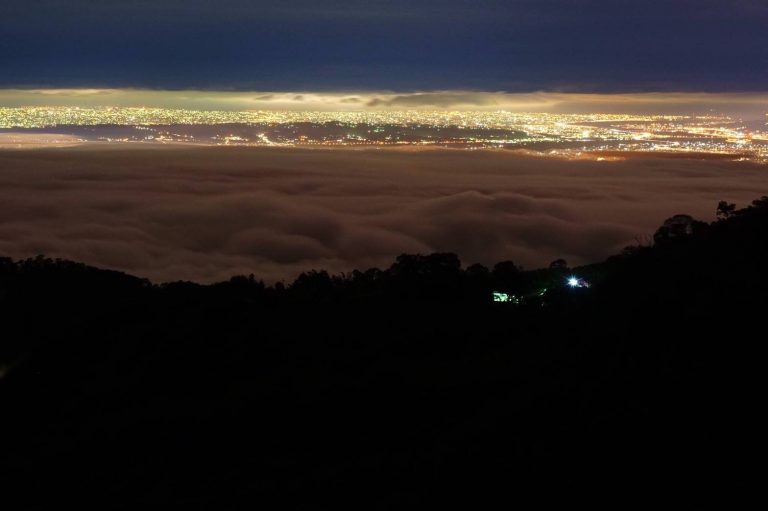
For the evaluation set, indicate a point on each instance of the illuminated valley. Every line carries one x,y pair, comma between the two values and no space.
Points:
562,135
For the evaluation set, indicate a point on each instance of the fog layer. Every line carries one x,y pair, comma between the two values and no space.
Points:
205,214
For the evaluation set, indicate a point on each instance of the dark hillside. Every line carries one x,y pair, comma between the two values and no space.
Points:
388,388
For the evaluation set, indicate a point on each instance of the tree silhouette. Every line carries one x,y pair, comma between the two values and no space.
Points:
725,210
558,264
677,228
506,276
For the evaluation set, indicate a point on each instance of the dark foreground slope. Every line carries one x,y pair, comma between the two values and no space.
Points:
390,388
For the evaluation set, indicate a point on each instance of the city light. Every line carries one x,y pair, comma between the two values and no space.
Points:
600,137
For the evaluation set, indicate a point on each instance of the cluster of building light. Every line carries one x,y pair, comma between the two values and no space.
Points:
579,133
571,281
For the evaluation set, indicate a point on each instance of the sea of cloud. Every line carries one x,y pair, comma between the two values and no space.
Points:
205,214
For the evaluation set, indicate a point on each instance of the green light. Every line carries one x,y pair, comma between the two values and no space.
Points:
506,298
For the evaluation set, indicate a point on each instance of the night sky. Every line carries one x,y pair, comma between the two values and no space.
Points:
399,45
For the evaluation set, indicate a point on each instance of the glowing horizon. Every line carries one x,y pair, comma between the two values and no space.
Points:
748,105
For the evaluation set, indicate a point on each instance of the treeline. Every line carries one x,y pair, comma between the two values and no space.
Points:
437,277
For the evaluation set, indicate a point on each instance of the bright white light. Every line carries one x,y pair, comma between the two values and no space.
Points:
573,282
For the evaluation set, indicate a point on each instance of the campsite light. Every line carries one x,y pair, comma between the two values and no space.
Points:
573,282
